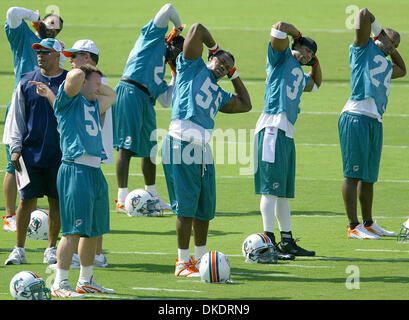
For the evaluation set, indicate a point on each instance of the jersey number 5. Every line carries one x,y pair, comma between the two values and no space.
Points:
92,128
205,100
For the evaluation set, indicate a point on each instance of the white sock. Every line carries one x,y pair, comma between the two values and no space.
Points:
283,214
267,209
85,273
60,275
183,255
200,251
122,193
152,190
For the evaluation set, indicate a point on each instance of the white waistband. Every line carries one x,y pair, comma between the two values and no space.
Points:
366,107
187,130
88,160
279,121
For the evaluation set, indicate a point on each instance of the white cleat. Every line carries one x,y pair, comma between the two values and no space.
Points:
50,255
359,232
188,269
374,228
17,256
92,287
64,290
9,223
100,261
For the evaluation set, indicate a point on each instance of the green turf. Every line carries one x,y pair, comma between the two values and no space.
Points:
141,252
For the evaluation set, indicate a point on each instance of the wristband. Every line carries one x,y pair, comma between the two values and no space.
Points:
376,29
277,33
298,36
315,64
213,50
233,74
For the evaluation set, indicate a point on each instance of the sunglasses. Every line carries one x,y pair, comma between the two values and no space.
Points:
46,52
75,54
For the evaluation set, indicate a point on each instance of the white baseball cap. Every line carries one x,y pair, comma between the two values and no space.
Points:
82,45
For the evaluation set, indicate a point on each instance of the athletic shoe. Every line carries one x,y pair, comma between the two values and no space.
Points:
75,262
289,246
374,228
9,223
50,255
100,261
164,205
359,232
17,256
187,269
92,287
280,254
64,290
120,208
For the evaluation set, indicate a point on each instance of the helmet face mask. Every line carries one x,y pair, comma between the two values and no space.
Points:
26,285
258,248
403,235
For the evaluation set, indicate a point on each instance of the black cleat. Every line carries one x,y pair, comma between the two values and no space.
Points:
280,254
289,246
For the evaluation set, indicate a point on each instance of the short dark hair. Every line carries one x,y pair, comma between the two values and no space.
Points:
89,69
94,57
224,51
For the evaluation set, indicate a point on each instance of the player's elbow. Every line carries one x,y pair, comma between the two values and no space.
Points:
168,7
11,12
196,27
280,25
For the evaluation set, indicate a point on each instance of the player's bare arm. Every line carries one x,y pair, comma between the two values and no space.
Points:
398,65
195,38
73,82
240,102
316,78
363,27
106,97
279,40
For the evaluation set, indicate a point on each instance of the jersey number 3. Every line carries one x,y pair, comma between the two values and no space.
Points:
293,92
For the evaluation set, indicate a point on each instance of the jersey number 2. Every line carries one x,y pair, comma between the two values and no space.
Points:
378,59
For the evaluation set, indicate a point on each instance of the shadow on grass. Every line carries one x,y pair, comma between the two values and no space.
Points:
211,233
293,213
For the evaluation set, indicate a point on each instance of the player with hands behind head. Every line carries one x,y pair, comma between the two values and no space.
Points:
196,101
274,143
360,122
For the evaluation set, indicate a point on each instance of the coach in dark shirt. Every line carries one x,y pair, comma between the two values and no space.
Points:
32,133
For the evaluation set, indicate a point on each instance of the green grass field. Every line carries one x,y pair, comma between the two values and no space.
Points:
141,252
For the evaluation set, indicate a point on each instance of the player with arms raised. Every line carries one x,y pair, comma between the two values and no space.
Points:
186,156
360,123
84,203
274,144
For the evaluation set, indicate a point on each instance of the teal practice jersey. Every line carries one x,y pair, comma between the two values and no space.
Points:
146,62
197,96
79,124
21,39
371,74
285,84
